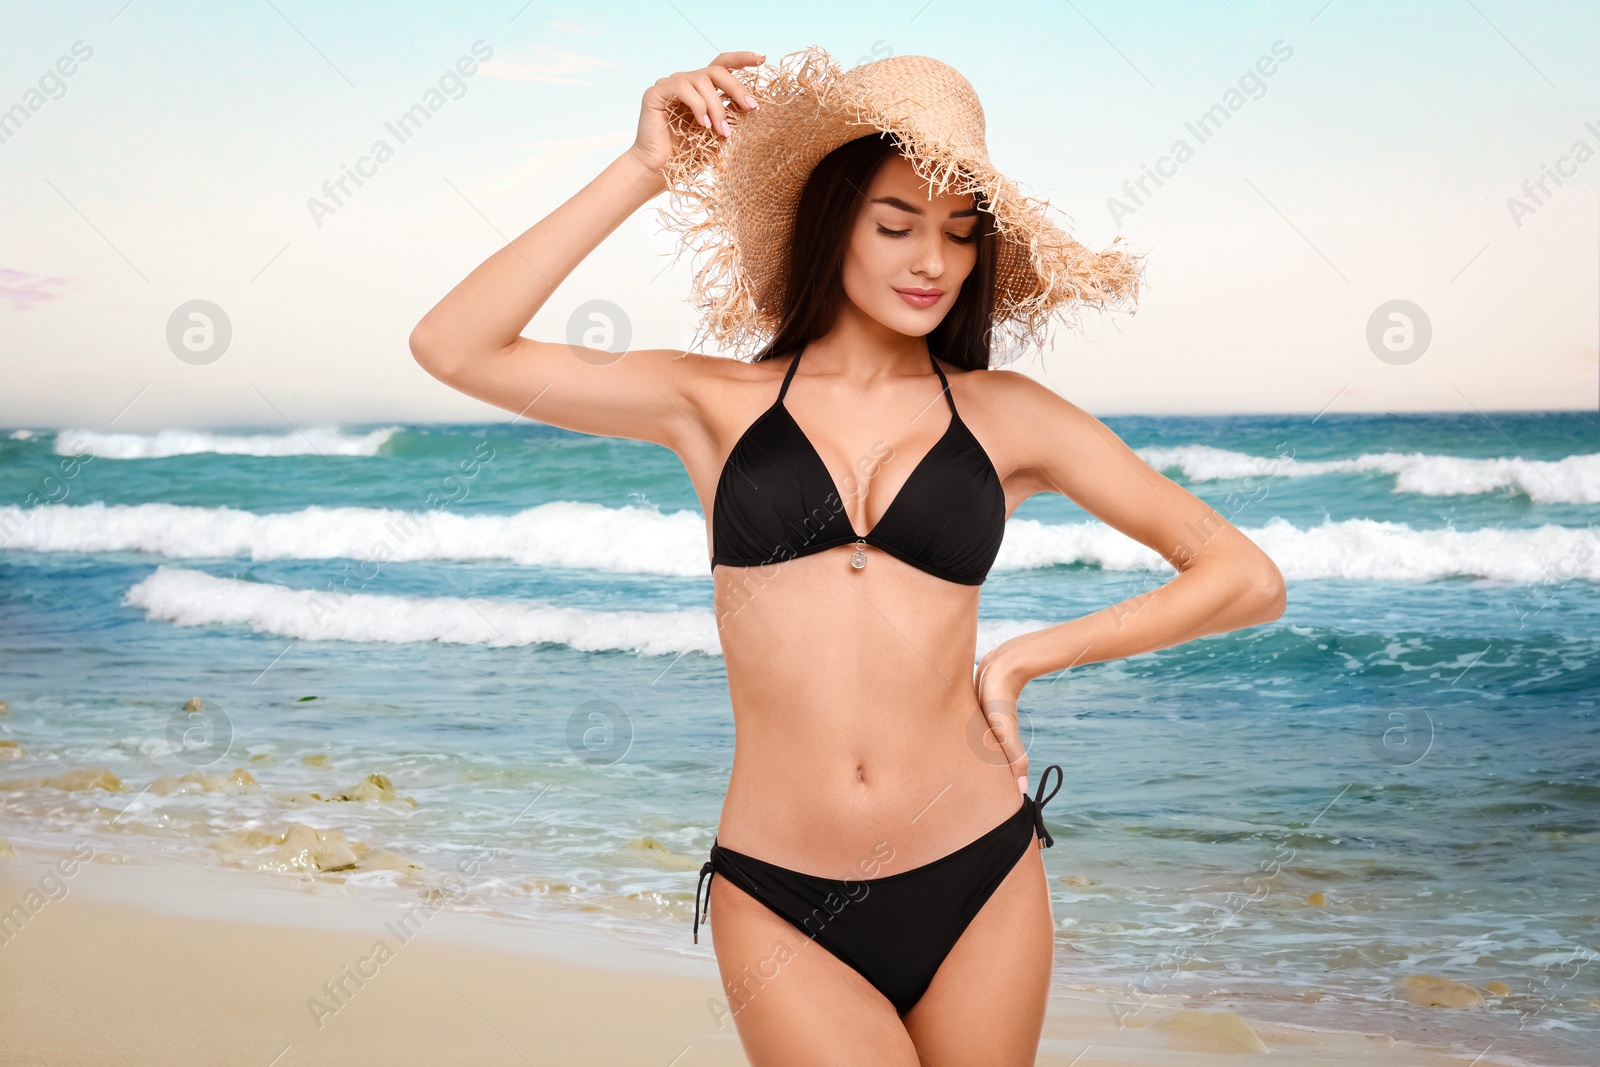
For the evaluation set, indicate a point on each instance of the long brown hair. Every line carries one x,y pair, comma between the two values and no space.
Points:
829,203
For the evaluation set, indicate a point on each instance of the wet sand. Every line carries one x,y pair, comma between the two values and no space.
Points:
126,963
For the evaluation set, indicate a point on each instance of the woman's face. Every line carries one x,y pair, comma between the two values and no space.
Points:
903,243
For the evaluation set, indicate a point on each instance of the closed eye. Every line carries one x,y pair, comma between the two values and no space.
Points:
969,239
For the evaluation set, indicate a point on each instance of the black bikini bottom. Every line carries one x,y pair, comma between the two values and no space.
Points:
895,930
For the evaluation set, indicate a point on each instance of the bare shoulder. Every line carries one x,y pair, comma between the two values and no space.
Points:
1016,387
722,396
702,389
1018,414
717,371
723,386
999,388
1043,442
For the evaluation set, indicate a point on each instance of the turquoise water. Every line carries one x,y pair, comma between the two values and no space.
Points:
512,623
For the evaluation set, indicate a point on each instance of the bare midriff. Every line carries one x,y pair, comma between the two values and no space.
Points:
857,726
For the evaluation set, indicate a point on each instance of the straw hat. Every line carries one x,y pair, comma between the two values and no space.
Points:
735,198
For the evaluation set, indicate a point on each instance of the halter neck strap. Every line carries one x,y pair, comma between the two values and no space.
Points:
944,382
788,375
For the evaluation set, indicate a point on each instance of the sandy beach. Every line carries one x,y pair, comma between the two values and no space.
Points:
130,963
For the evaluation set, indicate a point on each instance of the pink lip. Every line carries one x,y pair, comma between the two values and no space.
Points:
920,297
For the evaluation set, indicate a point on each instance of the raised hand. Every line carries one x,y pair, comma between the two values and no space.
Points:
702,91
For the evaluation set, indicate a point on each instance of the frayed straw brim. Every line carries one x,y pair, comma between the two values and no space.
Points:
734,199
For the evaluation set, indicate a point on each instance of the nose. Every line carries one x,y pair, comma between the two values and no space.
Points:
930,256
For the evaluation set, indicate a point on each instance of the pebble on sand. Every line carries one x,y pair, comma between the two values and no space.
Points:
12,750
308,848
92,778
88,778
317,759
372,787
1430,990
193,704
1316,900
237,782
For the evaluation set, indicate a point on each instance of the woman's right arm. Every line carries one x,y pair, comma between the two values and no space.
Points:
471,340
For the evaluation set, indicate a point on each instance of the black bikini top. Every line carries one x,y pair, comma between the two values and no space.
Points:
775,500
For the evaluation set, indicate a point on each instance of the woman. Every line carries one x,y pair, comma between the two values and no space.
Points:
881,897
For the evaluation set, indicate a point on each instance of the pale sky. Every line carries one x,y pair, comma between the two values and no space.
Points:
1378,161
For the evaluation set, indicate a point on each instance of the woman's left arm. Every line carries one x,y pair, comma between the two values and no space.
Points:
1224,580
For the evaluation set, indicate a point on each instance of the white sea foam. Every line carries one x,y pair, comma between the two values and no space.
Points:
1359,549
192,598
313,440
559,534
1570,480
645,541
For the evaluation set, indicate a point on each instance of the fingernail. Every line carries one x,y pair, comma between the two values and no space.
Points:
1022,783
750,102
706,122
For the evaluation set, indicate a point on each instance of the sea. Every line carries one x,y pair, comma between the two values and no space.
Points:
477,664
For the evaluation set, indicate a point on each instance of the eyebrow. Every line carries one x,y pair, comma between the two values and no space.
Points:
895,201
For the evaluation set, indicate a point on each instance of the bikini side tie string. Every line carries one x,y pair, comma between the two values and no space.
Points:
1040,799
705,871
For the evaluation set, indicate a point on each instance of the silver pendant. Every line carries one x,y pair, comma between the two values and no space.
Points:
858,558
